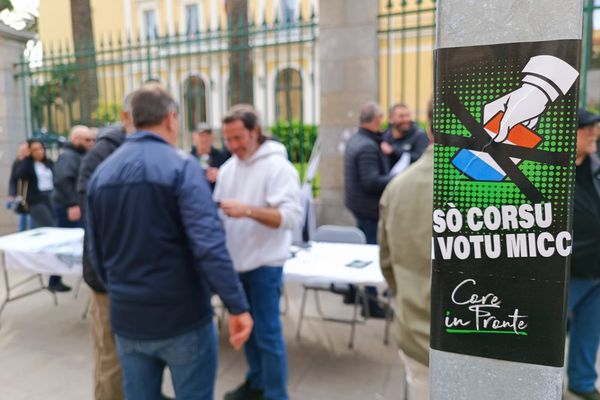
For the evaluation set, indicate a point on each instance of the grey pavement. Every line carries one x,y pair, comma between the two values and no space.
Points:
45,353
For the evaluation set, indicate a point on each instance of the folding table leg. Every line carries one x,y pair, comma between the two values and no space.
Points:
286,301
389,316
77,288
6,288
354,317
87,308
318,303
301,318
53,294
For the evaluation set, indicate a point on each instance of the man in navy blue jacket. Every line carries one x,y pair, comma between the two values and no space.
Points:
159,246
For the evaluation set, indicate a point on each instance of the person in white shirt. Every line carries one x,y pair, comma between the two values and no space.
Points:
259,195
35,176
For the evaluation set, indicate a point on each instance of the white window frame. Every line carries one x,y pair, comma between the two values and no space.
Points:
183,17
148,5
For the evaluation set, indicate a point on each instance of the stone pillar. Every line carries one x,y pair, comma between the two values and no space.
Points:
12,114
348,62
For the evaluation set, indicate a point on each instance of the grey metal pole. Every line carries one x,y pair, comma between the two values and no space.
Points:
463,23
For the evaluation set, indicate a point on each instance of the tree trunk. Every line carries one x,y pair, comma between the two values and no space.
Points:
85,57
241,88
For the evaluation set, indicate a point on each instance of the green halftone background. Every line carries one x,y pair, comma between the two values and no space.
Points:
475,86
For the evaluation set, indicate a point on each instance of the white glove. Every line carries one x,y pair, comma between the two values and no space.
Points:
546,78
523,106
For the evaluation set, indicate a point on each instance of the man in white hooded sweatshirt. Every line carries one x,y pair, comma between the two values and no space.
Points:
259,194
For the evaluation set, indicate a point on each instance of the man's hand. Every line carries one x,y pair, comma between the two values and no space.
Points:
211,174
240,328
74,213
386,148
235,209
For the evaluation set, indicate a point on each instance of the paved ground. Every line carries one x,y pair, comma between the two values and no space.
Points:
45,353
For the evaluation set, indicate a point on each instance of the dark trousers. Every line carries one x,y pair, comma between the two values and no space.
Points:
42,216
61,220
369,228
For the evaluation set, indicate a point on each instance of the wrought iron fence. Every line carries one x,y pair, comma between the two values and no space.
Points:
274,66
407,38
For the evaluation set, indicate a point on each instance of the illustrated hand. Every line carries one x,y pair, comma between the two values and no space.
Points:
234,209
523,106
212,174
240,328
74,213
386,148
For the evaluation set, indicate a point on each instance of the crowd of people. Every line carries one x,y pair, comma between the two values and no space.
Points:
43,192
209,222
221,221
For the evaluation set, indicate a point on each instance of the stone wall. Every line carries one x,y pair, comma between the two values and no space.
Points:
12,115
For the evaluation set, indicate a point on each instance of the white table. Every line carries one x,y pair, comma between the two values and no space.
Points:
322,264
58,251
327,263
42,251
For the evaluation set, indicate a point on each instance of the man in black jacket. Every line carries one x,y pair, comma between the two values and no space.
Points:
584,286
366,171
67,213
366,174
108,380
403,136
209,157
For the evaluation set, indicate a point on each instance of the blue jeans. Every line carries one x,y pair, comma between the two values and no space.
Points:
584,333
25,222
265,350
191,358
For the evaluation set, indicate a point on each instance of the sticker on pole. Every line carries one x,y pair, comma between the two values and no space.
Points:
505,130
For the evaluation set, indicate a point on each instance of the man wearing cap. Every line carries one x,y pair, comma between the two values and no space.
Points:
209,157
584,286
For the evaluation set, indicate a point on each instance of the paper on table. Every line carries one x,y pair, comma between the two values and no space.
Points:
401,164
326,263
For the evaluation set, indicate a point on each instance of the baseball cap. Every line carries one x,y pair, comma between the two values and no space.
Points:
586,118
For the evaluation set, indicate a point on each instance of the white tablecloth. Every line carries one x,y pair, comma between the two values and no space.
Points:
58,251
49,251
327,263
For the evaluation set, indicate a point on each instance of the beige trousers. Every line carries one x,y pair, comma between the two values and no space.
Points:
108,380
417,378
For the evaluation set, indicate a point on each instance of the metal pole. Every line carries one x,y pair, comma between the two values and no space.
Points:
463,23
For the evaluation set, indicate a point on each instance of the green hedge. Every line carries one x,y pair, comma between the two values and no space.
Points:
297,138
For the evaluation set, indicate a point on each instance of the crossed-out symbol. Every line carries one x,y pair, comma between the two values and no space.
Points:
500,152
